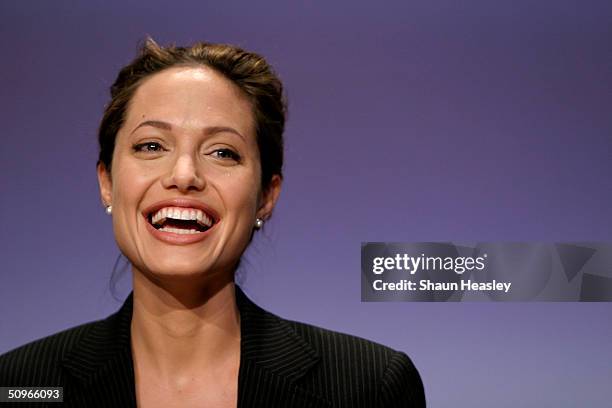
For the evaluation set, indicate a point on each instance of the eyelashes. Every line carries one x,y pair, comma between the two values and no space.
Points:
147,147
224,154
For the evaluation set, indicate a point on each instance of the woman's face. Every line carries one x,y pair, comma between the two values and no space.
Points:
185,185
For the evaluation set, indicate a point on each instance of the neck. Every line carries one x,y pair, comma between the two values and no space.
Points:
179,328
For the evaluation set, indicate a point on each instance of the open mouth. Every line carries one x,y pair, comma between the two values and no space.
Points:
180,220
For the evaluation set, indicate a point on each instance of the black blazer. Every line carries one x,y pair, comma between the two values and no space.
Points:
282,364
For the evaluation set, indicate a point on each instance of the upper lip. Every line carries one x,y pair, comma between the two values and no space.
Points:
182,202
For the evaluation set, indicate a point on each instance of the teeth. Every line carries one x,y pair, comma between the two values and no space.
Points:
179,230
204,219
182,214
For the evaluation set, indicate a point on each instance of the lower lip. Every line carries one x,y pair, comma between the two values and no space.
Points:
177,239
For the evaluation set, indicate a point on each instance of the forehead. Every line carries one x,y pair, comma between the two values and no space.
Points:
191,97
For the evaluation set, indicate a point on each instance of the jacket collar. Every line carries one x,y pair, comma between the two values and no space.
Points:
272,357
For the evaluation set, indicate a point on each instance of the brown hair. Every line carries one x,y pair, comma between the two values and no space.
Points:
249,71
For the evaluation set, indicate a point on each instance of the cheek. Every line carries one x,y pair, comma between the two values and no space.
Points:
129,183
240,194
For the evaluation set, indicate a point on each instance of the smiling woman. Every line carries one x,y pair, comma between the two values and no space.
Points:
190,166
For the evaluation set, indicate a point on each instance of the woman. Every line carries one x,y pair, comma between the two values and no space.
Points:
191,155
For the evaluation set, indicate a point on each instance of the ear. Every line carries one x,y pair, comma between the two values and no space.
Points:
270,197
105,184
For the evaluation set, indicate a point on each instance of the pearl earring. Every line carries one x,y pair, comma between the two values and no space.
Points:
259,223
109,209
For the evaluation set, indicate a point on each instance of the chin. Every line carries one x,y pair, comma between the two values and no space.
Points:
180,269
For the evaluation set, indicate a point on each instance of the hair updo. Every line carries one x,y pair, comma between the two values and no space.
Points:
247,70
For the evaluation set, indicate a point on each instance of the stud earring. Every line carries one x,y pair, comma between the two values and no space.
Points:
259,223
109,209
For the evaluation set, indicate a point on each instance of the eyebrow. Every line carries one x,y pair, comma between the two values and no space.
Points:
210,130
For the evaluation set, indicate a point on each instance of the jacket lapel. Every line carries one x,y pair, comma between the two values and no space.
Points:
272,358
100,368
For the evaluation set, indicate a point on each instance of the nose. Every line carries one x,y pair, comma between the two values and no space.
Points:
184,175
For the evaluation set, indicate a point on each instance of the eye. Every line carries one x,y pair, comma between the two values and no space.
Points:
226,154
150,147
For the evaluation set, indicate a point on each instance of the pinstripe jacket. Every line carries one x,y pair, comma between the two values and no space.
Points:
282,364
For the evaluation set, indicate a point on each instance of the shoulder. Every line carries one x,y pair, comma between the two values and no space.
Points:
367,367
38,362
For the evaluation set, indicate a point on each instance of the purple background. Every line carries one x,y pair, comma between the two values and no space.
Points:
408,122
